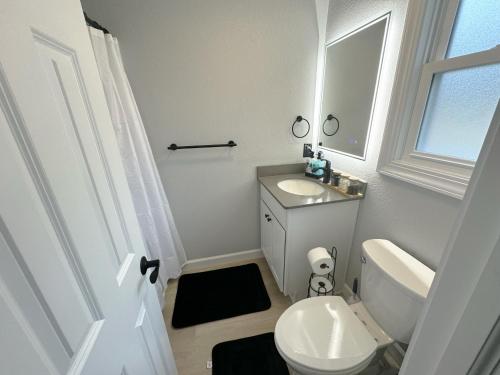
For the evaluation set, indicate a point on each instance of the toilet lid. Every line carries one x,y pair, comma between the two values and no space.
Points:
322,333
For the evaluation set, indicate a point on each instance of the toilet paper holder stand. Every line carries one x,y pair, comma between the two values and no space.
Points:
325,287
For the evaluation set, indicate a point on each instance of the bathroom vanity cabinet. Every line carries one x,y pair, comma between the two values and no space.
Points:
288,232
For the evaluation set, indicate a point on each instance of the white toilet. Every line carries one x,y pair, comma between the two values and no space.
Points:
324,335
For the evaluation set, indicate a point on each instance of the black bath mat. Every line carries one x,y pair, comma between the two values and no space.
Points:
248,356
220,294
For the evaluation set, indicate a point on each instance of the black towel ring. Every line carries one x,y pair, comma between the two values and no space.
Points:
329,118
299,119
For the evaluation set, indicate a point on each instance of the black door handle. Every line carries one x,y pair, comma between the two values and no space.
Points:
145,264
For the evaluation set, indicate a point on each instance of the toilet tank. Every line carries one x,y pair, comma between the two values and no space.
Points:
394,286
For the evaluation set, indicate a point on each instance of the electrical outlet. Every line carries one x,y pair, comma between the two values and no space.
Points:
307,152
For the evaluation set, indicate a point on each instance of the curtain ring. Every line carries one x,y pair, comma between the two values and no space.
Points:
299,119
329,118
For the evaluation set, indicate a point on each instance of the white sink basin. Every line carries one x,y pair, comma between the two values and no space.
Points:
300,187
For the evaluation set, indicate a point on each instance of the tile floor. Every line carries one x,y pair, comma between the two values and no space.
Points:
192,346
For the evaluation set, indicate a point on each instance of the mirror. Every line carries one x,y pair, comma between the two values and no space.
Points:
352,65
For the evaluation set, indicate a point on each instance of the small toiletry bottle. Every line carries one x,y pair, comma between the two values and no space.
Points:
344,182
308,167
353,188
336,178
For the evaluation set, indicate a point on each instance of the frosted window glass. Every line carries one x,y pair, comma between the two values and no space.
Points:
459,110
476,28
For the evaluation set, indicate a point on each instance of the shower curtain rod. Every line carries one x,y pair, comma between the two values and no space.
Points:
94,24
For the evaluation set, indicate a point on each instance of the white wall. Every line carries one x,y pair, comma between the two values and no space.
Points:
416,219
211,71
463,305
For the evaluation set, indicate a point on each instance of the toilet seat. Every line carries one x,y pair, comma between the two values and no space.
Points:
323,335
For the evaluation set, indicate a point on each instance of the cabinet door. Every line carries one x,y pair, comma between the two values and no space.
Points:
278,252
266,233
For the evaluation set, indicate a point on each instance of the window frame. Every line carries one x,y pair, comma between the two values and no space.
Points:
428,28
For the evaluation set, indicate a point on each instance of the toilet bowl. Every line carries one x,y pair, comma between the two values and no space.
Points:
324,335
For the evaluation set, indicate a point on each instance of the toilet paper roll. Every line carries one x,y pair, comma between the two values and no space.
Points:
320,286
321,262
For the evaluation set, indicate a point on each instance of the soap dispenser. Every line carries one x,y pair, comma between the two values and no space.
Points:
308,153
314,168
321,168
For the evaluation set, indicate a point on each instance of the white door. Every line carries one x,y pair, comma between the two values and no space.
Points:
72,299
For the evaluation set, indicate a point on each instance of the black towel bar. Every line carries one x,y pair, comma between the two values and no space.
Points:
174,147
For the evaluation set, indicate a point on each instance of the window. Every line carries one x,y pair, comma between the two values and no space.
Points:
445,99
459,110
476,27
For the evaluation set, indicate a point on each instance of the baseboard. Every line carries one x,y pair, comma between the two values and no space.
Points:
347,292
192,265
163,300
395,355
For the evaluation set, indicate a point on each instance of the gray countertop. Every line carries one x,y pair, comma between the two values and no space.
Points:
288,200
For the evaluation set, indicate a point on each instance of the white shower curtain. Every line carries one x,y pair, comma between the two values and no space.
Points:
150,202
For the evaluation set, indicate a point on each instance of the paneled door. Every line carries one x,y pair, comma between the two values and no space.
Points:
72,298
